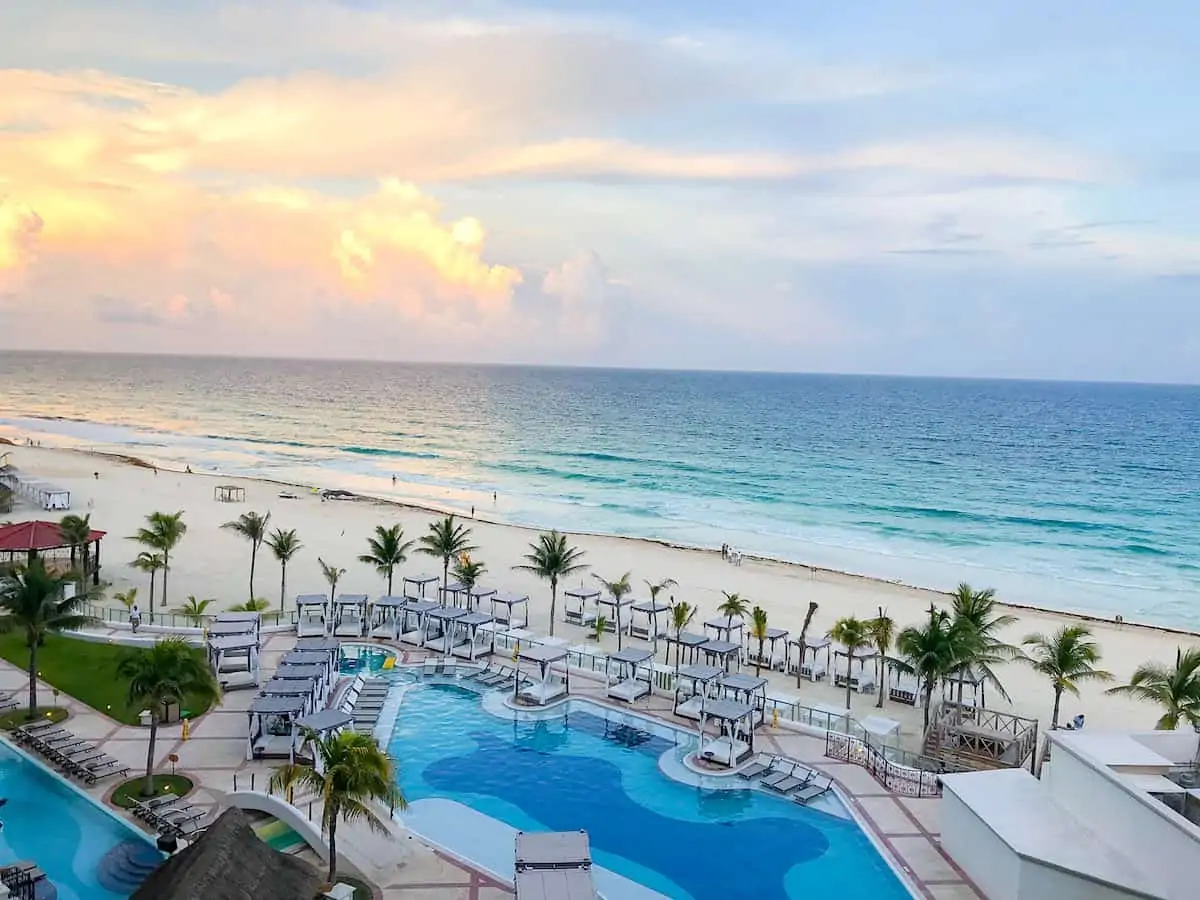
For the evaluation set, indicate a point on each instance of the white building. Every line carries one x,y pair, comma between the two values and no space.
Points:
1115,815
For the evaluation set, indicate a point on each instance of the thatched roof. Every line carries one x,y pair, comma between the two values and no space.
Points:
229,862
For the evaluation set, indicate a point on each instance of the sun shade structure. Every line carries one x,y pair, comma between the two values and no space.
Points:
442,635
273,730
774,650
579,605
229,862
648,620
862,669
413,621
723,630
725,654
817,656
621,674
319,673
24,541
49,497
478,640
735,727
250,620
748,689
694,687
418,583
234,655
312,615
554,866
384,617
504,609
451,593
613,611
349,615
229,493
551,684
686,644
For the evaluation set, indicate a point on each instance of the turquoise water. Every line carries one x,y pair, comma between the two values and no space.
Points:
1073,496
46,822
580,771
363,658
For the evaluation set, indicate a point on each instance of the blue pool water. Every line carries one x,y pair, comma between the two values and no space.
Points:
79,846
363,658
582,771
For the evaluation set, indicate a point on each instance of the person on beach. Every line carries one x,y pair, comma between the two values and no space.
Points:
393,481
135,618
472,512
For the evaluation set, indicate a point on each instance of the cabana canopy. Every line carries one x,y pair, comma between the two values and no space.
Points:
418,582
508,601
575,603
325,720
317,644
229,493
303,600
23,541
548,688
688,642
725,651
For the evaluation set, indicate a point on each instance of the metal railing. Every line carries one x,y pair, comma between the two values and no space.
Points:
168,618
896,777
287,796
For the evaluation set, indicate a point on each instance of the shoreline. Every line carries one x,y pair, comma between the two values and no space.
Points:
814,571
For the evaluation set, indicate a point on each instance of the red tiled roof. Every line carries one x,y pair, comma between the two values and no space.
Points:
22,537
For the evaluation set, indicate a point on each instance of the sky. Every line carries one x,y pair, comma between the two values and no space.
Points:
930,188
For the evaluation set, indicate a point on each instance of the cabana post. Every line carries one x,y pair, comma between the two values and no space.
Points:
645,622
312,615
479,641
579,605
507,615
624,665
550,686
694,686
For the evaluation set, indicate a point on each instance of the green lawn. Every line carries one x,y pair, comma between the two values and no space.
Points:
84,670
130,791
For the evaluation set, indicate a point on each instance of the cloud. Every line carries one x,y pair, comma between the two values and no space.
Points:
20,229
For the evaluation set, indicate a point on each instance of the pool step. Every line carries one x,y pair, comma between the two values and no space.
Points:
123,869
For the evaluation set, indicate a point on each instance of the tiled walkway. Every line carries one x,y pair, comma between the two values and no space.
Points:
906,827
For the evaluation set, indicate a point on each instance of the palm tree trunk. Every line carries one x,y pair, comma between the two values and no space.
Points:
1058,692
800,662
152,574
758,662
282,584
33,678
928,700
253,560
445,573
389,581
166,567
553,602
849,665
618,614
333,846
882,669
148,784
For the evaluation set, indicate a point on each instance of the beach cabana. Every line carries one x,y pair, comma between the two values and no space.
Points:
478,594
418,584
623,666
312,615
614,611
508,615
694,686
862,669
273,728
452,593
550,684
722,629
480,640
234,655
735,732
386,613
748,689
318,673
323,658
231,629
686,643
579,605
413,621
304,688
326,645
24,541
648,620
774,649
972,680
229,493
721,653
249,620
817,655
322,723
349,615
903,687
442,634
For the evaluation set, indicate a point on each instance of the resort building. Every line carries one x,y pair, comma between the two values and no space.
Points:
1114,815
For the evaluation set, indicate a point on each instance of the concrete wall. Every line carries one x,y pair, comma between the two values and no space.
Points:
1177,746
285,813
1139,824
1038,882
985,858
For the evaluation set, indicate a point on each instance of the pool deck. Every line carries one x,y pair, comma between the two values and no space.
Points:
906,828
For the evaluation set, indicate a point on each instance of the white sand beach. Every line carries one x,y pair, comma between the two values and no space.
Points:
211,562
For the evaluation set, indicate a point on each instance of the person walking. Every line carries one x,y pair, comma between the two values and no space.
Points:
135,618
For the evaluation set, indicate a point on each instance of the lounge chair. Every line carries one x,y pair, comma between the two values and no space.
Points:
778,772
106,769
812,791
33,728
760,766
41,734
487,669
143,808
71,751
791,783
81,765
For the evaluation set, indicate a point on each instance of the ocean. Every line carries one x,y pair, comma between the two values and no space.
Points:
1080,497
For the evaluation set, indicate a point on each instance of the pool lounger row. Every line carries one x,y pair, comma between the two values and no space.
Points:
74,755
170,814
21,874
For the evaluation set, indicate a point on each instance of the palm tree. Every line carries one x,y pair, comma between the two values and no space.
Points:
253,528
163,532
551,558
348,772
447,540
977,619
76,531
468,572
682,614
883,634
1065,657
255,604
31,601
388,550
152,563
855,635
732,606
160,677
1176,691
758,630
194,609
285,545
803,646
657,587
126,598
929,652
617,589
333,575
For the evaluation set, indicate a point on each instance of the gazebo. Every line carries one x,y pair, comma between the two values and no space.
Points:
349,614
725,630
22,542
722,653
480,639
442,634
273,729
311,671
628,686
250,621
321,657
229,493
575,605
618,612
326,721
418,584
386,613
685,643
693,689
234,654
415,611
862,676
304,688
814,667
479,593
507,616
312,615
735,724
748,689
451,592
550,686
644,622
771,657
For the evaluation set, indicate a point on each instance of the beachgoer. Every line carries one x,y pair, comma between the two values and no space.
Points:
96,475
188,469
393,481
472,512
135,618
493,496
1077,722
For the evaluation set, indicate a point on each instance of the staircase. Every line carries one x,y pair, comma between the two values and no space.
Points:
123,869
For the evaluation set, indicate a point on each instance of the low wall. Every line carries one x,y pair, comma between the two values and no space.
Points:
131,640
285,813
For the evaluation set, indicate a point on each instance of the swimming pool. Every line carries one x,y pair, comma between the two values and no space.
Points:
586,770
364,658
86,853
